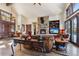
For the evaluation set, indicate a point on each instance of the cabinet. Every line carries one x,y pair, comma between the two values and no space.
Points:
7,24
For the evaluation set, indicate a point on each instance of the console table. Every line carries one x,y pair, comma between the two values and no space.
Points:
29,42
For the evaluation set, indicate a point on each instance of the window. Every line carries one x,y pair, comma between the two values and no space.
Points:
69,10
74,29
72,8
5,15
75,7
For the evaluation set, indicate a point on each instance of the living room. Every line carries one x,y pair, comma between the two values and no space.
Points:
45,29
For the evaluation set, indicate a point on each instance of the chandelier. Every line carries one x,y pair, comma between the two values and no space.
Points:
37,3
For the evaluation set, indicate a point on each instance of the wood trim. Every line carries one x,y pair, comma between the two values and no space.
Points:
73,14
5,11
67,6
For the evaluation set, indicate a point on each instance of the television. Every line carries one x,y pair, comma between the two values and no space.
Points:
54,30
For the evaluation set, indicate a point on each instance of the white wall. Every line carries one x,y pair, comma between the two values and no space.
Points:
30,21
21,19
57,17
24,20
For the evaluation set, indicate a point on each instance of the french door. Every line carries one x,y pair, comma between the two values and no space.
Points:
74,30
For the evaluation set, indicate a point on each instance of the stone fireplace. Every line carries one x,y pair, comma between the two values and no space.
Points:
43,25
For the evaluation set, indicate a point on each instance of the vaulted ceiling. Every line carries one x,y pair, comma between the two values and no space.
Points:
46,9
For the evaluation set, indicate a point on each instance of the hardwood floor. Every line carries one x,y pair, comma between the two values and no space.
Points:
5,50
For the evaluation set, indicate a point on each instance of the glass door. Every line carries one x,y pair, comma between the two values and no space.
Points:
67,26
74,30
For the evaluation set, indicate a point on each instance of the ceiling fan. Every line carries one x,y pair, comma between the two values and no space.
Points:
37,3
